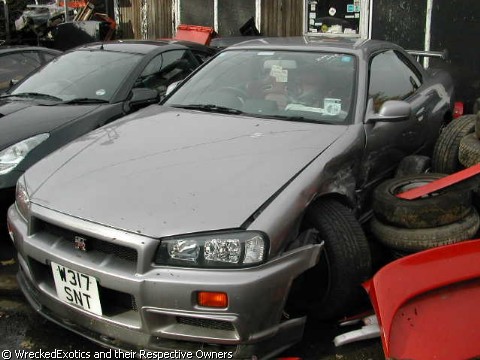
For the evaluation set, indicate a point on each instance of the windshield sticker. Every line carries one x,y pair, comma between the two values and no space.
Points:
266,53
346,59
100,92
279,74
332,106
332,11
350,8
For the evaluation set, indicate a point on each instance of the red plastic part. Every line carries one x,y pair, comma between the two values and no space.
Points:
458,109
440,183
74,4
199,34
427,303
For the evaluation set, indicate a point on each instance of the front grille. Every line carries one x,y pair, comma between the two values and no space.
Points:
93,244
206,323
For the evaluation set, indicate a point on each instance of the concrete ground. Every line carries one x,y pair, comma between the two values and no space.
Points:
23,329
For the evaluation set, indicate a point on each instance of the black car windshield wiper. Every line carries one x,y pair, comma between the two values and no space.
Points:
33,95
210,108
295,118
85,101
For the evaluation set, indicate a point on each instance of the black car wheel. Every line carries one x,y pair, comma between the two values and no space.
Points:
334,284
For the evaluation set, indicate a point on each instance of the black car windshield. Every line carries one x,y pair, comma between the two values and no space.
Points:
81,74
287,85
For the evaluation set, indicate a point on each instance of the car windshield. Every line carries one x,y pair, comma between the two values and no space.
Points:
285,85
84,75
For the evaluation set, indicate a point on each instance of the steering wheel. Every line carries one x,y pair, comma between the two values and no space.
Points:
66,83
239,93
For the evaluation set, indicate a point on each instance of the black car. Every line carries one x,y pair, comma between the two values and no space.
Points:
16,62
82,90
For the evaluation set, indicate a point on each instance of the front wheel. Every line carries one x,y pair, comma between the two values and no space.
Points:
334,284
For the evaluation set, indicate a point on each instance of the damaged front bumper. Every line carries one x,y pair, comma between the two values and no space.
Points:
152,307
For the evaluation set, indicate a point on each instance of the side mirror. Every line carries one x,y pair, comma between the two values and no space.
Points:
391,111
172,87
142,97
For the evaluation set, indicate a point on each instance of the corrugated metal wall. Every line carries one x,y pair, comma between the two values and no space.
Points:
129,12
160,21
158,16
282,17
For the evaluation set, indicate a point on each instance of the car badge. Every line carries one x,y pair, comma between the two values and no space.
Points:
80,243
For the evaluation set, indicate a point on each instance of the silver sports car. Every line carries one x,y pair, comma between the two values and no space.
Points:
222,219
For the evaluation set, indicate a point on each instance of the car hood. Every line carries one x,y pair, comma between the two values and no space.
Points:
21,119
166,171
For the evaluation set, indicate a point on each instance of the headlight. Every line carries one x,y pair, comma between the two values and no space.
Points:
22,200
11,156
238,249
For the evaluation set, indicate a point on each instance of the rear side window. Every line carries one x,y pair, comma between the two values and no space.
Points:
391,78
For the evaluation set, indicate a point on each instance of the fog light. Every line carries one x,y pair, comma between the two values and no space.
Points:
212,299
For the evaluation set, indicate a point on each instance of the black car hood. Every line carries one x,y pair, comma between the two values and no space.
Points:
21,119
166,171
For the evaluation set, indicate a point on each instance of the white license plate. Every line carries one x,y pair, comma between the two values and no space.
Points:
76,288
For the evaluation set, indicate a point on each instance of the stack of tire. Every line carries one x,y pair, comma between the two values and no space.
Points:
444,217
458,147
407,226
469,149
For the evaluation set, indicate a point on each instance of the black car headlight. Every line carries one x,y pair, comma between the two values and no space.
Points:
14,154
234,249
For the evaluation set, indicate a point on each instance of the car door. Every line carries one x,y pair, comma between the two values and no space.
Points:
392,77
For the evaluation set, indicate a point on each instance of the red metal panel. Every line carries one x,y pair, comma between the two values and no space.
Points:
423,299
440,183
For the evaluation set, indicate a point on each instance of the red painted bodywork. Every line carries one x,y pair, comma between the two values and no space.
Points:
428,303
440,183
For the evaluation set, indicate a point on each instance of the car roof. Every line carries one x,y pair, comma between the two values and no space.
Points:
140,46
17,48
316,43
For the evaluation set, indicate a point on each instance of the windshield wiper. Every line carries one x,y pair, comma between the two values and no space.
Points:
210,108
33,95
85,101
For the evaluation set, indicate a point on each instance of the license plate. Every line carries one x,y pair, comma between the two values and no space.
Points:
76,288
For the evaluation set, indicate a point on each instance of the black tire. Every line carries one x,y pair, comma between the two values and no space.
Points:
334,284
477,123
413,165
469,152
445,153
412,240
441,208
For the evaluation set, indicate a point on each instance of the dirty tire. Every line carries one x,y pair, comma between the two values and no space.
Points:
413,165
412,240
346,259
477,122
469,152
441,208
445,154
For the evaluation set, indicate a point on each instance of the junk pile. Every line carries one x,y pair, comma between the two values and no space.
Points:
44,24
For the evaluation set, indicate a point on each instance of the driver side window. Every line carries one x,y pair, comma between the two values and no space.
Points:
391,78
